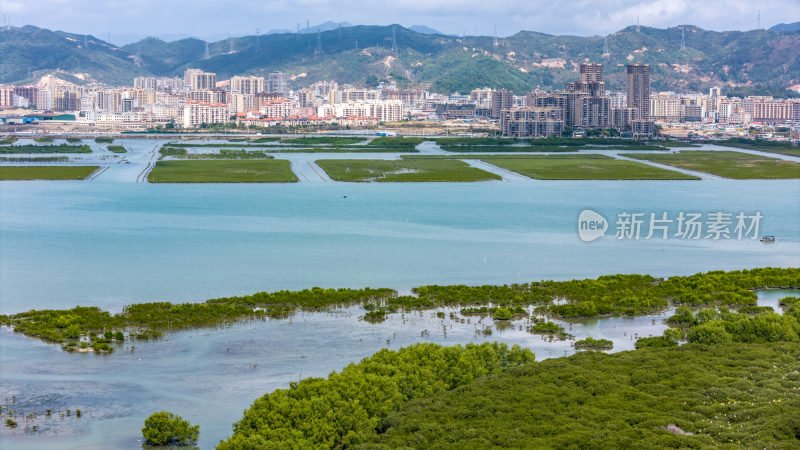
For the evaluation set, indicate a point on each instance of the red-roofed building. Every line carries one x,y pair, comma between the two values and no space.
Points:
196,113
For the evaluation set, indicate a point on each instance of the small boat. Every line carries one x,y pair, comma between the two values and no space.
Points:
768,238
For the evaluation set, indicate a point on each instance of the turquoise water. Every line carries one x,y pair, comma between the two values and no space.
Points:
111,242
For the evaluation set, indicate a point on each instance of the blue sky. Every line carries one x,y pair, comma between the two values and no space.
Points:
203,18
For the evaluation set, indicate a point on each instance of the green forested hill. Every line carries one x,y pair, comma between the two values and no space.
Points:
39,51
752,60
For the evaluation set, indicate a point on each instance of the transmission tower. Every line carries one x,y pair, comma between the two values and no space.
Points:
230,43
638,29
606,51
683,38
394,41
494,41
258,39
758,20
207,54
318,50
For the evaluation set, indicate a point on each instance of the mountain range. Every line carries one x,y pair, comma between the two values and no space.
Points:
682,58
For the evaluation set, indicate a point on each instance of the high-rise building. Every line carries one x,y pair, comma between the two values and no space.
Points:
527,121
278,82
196,79
29,92
501,99
639,89
592,79
247,85
6,96
197,113
145,82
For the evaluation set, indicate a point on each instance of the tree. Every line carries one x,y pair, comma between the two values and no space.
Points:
166,428
709,333
502,314
371,81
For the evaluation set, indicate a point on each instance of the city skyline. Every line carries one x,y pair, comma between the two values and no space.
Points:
126,23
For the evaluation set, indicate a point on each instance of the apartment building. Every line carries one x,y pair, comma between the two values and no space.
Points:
665,107
196,113
247,85
639,89
196,79
6,96
530,121
278,82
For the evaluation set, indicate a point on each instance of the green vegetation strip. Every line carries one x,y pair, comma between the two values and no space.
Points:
507,148
296,148
365,170
613,295
727,164
43,139
35,159
227,154
103,140
329,140
584,167
61,148
551,144
8,141
594,344
783,148
406,143
46,172
117,149
227,171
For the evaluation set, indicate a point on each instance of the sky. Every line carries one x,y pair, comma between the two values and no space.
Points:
125,19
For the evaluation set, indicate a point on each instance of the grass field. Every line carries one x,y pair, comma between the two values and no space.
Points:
60,148
727,164
117,149
365,170
46,172
783,148
225,171
583,167
317,140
